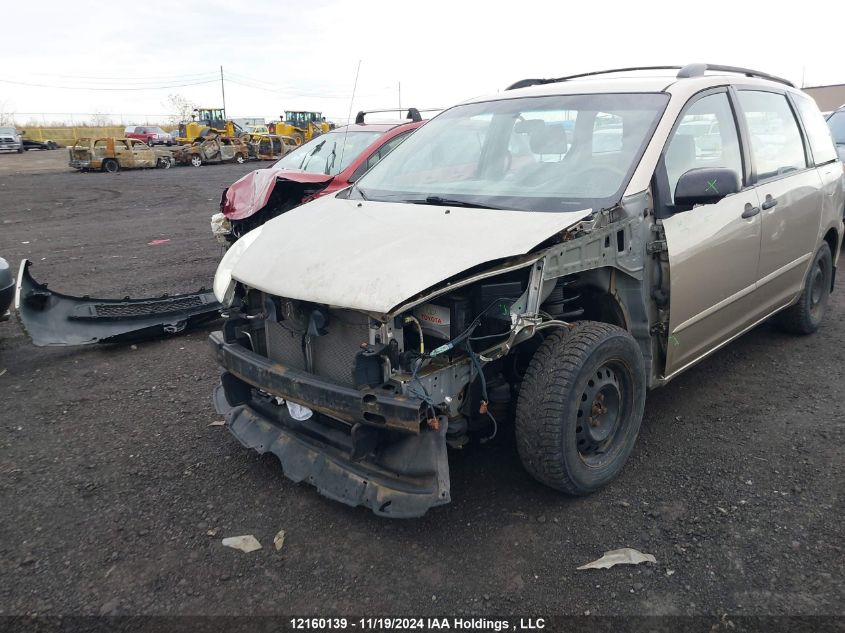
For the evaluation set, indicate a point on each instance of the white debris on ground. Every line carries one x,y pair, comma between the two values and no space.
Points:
624,556
246,543
279,540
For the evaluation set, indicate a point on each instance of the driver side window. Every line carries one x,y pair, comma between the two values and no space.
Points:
705,137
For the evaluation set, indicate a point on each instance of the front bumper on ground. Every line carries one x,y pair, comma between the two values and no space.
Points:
53,318
80,164
395,474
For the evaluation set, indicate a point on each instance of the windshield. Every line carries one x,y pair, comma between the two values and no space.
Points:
534,154
7,130
329,153
836,122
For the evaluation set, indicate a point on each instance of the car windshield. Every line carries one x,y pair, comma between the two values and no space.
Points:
7,130
329,153
836,122
533,153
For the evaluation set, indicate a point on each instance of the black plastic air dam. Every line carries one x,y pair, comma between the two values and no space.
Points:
310,451
53,318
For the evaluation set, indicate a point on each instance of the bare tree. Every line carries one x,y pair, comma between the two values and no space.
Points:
98,119
7,117
180,108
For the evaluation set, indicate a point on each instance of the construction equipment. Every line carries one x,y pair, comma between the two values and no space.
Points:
301,126
205,120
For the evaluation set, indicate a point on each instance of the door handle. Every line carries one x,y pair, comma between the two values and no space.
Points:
750,211
769,203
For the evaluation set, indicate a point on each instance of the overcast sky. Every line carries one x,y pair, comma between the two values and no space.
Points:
282,55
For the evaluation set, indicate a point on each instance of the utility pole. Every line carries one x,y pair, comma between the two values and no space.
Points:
223,90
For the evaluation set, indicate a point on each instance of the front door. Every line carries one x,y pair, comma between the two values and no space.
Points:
143,155
713,249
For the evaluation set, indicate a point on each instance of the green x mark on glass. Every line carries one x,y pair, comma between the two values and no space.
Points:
711,186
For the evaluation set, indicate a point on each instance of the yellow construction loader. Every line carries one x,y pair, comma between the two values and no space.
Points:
205,120
301,126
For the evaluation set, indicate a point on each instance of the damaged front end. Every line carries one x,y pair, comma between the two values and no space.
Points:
358,376
260,196
54,319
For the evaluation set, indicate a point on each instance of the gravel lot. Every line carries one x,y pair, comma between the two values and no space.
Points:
116,492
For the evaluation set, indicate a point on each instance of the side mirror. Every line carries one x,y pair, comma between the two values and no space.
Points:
705,185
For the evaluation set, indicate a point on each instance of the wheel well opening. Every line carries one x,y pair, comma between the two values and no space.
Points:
586,297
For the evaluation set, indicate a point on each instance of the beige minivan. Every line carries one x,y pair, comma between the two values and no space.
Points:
540,257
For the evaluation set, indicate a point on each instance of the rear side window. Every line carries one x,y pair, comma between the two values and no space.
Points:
776,143
818,133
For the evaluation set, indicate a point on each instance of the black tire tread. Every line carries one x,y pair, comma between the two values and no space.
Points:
796,319
542,400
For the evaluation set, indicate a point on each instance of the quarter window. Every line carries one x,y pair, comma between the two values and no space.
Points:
818,133
776,144
705,137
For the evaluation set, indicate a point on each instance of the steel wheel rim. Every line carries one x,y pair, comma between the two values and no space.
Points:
601,411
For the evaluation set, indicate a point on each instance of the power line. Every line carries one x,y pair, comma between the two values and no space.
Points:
133,78
121,89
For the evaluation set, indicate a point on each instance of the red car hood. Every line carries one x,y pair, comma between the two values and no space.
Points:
252,192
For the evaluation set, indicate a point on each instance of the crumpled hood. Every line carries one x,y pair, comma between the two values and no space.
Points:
251,193
372,256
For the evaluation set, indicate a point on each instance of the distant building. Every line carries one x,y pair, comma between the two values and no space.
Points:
828,98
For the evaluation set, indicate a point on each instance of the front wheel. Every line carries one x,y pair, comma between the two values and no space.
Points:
111,165
239,159
196,160
806,314
164,163
580,406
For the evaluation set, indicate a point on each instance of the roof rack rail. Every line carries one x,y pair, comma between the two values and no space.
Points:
413,113
524,83
684,72
697,70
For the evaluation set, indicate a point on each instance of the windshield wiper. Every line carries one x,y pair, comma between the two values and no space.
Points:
332,156
307,159
449,202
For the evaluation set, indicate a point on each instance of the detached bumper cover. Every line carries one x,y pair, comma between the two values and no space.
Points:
52,318
399,475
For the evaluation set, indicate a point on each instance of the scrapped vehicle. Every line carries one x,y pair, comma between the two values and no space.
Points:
113,154
151,135
320,167
836,123
29,144
10,140
267,146
212,148
495,267
7,289
51,318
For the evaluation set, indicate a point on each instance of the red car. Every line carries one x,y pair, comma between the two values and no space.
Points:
150,135
324,165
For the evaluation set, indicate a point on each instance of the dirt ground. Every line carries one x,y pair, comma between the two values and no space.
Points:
116,492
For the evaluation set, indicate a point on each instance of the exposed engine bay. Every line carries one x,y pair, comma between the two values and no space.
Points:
378,397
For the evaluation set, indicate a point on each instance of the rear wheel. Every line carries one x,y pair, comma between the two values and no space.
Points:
111,165
196,160
580,406
805,315
164,163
